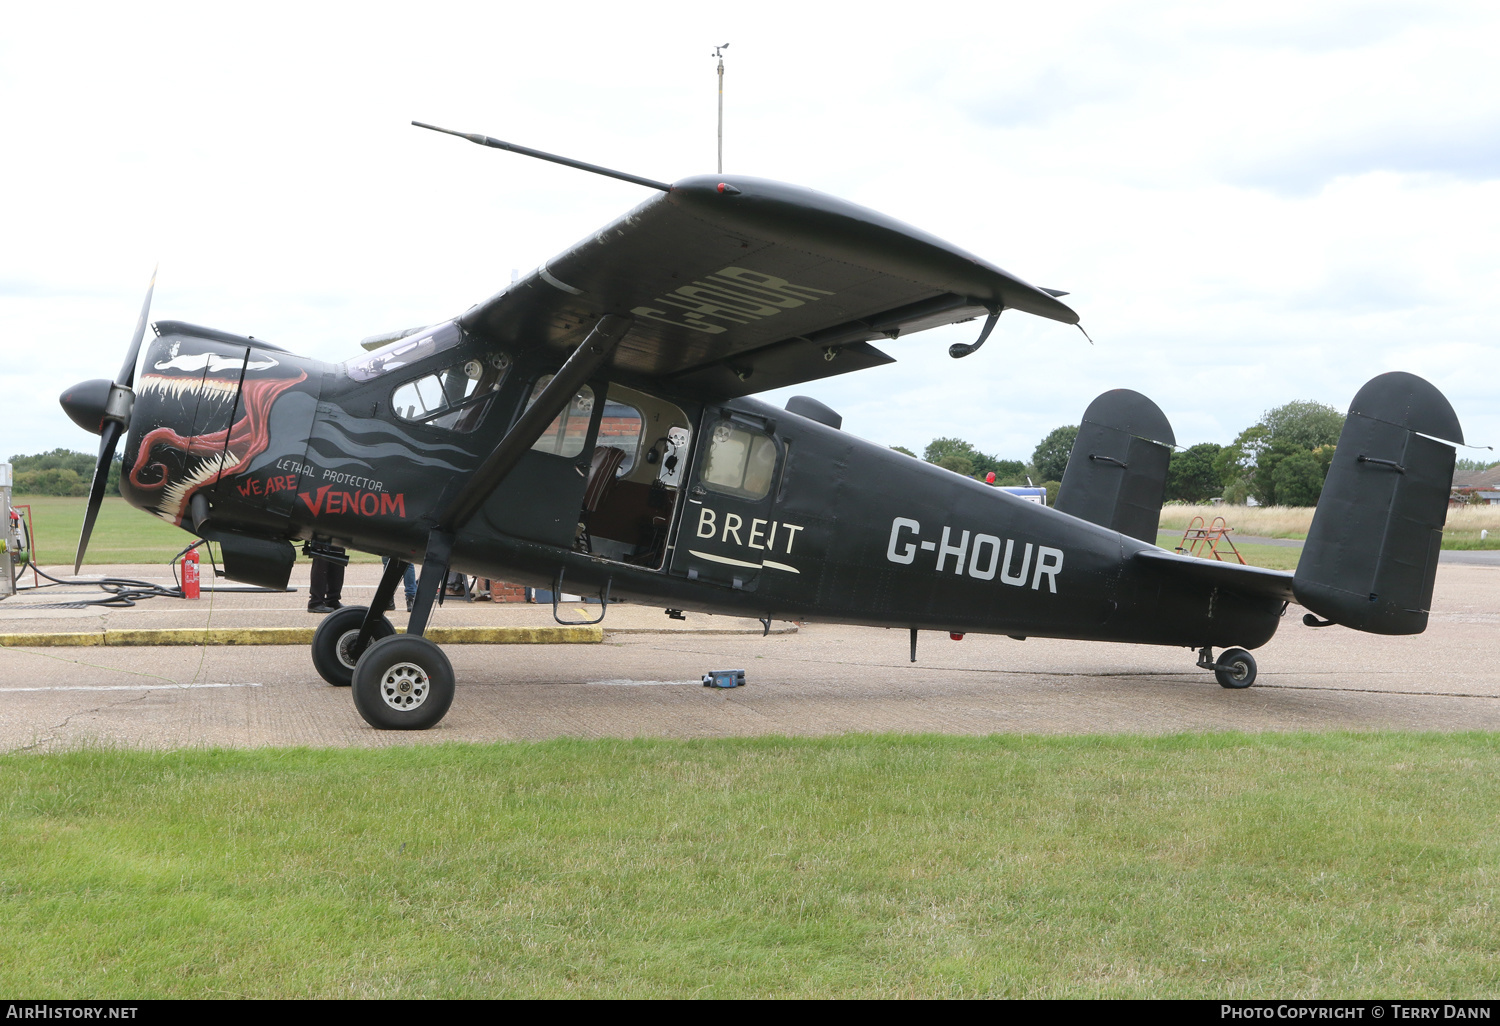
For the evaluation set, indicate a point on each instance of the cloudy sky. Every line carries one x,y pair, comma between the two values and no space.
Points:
1249,203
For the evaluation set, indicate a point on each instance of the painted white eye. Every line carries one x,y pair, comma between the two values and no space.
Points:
473,369
722,432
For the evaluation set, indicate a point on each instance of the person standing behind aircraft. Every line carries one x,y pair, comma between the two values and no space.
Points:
327,583
409,579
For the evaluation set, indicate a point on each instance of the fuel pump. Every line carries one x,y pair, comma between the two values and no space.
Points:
7,562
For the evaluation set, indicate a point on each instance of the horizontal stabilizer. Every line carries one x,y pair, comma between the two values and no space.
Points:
1117,472
1253,581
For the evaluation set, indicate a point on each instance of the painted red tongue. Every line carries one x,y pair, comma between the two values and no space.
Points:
243,440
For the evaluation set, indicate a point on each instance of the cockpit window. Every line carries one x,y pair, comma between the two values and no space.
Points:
405,352
621,428
456,397
740,462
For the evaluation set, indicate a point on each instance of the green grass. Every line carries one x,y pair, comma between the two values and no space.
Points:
1273,557
1470,541
122,534
1218,865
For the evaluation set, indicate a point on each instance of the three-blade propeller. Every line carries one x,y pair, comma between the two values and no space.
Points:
104,407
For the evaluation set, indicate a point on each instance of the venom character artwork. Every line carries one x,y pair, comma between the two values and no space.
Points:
592,427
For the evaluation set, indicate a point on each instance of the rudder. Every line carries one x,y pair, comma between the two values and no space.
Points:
1371,554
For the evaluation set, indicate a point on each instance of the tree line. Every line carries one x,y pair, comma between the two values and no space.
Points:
1045,470
1280,460
60,472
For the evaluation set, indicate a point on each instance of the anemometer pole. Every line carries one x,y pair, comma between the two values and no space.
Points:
719,53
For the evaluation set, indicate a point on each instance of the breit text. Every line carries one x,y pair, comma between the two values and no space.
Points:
752,534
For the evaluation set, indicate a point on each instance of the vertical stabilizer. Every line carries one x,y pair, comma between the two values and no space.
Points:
1117,472
1372,551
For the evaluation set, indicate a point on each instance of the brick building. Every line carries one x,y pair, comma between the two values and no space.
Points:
1485,484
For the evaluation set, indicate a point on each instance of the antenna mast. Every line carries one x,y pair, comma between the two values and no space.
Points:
719,53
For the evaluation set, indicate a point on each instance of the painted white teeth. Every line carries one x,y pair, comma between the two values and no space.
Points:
218,388
174,497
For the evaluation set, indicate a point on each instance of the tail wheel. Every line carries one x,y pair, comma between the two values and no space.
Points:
1235,669
403,683
333,652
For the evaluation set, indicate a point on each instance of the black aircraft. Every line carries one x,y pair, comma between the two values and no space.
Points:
591,427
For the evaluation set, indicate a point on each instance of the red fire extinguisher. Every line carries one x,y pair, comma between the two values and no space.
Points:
190,574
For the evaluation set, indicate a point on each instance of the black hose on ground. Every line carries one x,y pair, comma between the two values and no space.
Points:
123,592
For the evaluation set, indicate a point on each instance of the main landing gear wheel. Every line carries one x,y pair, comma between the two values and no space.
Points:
1235,669
403,683
333,643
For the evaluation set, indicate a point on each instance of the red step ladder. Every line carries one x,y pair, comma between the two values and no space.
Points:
1203,540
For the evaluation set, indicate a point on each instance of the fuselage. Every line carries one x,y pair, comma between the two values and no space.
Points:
647,490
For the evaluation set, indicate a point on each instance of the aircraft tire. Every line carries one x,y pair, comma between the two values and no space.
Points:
403,683
331,641
1235,669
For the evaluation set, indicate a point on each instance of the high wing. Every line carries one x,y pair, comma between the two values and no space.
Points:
739,285
1254,581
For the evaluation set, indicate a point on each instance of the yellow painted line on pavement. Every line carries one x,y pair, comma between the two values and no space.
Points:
514,635
52,640
299,636
211,636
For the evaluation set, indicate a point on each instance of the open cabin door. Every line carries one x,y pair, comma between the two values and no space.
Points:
728,532
639,463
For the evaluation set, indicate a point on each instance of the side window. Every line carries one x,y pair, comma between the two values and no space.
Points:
740,462
569,430
621,428
455,398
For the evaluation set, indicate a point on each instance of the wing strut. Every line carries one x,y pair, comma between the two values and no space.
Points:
578,368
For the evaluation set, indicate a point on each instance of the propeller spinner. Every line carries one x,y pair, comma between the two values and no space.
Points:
103,407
